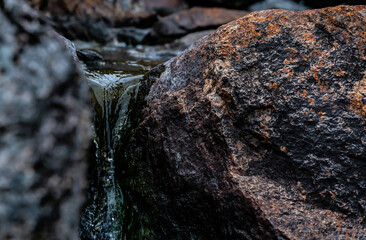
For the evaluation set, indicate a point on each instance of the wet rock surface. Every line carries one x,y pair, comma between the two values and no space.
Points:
195,19
258,131
44,129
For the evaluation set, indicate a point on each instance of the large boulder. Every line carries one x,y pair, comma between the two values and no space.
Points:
195,19
258,131
44,129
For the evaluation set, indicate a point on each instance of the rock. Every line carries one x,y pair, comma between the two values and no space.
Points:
258,131
164,7
328,3
83,29
131,35
90,20
44,127
189,39
240,4
195,19
88,56
277,4
70,46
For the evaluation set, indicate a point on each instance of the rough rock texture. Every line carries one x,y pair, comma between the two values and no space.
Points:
328,3
258,130
187,21
44,129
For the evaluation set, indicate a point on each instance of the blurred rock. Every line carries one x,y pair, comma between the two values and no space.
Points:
185,41
83,29
44,129
239,4
131,35
89,20
89,56
195,19
258,131
277,4
164,7
70,46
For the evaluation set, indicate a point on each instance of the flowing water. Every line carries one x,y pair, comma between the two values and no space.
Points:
109,212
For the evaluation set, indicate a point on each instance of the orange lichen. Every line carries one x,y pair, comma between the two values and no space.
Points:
307,38
340,73
288,71
274,86
358,98
273,29
304,93
311,101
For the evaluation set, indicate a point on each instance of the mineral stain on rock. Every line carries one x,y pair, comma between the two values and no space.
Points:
257,131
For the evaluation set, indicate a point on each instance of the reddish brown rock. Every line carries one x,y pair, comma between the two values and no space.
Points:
194,19
258,130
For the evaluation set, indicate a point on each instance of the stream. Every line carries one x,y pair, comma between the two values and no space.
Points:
109,212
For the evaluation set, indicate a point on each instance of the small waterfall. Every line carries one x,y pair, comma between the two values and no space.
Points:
112,93
110,212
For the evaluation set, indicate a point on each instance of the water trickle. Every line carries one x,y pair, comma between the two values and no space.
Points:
113,92
110,213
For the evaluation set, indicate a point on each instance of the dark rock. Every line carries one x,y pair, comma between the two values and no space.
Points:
90,20
258,131
83,29
196,19
131,35
277,4
44,129
88,56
